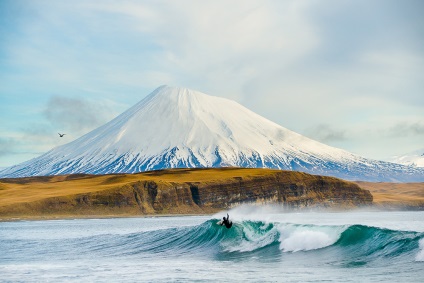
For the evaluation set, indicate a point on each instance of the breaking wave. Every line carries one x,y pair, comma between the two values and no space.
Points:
247,239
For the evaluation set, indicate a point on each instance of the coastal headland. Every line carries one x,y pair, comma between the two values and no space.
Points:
174,191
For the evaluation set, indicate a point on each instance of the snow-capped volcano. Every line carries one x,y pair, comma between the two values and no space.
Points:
179,127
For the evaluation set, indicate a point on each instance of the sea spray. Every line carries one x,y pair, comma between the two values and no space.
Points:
420,255
295,238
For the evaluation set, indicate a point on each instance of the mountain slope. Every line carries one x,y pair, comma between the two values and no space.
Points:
415,158
178,127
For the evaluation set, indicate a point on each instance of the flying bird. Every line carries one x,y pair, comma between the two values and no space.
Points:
61,135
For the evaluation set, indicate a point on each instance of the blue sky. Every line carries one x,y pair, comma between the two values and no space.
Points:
347,73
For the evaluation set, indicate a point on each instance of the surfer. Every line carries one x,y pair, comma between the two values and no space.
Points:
226,222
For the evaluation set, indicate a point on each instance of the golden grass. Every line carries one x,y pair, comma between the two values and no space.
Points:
24,190
396,193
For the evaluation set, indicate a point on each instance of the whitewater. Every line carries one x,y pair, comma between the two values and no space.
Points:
264,245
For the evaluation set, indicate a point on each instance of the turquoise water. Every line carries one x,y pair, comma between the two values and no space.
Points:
262,246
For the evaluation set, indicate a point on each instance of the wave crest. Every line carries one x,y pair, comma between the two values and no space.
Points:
306,239
268,240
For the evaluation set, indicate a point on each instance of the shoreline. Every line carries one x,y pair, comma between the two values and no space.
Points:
78,217
372,208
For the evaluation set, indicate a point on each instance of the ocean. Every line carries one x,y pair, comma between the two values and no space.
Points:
264,245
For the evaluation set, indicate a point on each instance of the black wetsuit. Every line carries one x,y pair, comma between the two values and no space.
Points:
227,222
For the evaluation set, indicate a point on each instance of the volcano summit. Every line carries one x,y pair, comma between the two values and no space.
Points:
179,127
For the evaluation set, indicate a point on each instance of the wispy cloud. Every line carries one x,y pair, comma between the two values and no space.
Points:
407,129
7,146
77,115
327,134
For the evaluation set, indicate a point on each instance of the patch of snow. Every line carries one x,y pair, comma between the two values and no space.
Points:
415,158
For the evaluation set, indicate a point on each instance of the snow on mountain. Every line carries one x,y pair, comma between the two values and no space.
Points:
415,158
179,127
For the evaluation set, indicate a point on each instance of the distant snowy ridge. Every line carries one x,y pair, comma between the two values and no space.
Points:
415,158
179,127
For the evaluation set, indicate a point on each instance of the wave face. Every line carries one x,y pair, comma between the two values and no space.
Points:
357,243
351,244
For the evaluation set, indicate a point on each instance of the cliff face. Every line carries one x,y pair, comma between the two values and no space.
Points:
188,191
301,191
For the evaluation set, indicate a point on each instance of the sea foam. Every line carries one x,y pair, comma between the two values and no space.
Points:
306,238
420,255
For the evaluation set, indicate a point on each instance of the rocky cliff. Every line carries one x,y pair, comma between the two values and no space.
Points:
177,191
